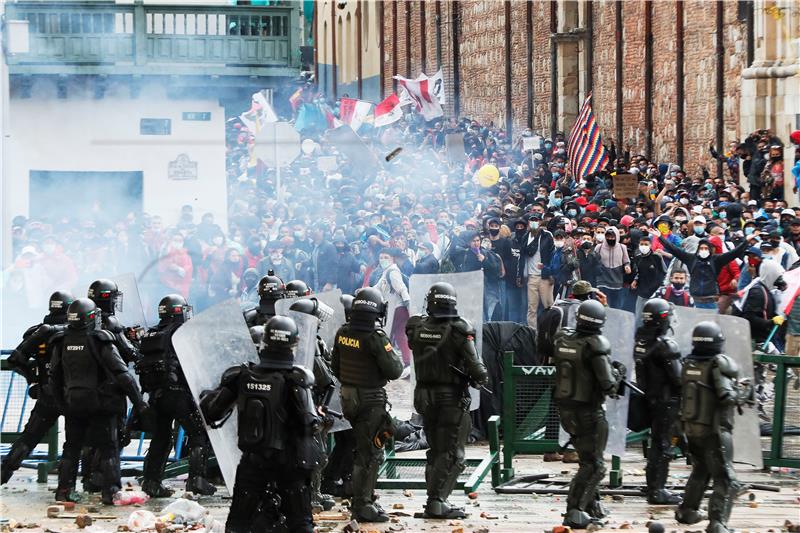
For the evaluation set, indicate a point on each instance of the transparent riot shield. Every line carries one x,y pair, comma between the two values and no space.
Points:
207,345
469,294
619,329
132,312
307,338
738,346
329,326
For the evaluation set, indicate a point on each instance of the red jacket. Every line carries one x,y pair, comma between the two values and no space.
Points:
171,277
729,272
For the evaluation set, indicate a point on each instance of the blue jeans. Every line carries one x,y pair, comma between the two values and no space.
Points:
706,305
516,304
616,299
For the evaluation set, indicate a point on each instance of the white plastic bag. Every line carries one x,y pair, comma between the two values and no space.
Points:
141,519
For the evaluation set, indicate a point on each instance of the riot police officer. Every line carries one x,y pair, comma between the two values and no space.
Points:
445,363
585,375
324,386
31,359
106,295
277,422
270,289
297,288
711,392
91,381
160,376
658,374
364,361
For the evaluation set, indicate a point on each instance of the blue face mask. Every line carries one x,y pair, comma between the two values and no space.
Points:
749,230
709,186
556,174
699,230
572,212
557,201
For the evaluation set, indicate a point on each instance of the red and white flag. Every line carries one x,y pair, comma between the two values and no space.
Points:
353,112
388,111
421,90
260,113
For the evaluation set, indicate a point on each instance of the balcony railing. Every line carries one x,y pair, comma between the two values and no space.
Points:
147,38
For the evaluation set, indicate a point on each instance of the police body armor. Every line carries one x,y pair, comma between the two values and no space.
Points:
433,366
658,367
83,376
575,377
126,350
158,367
37,373
324,379
551,321
356,367
262,413
701,412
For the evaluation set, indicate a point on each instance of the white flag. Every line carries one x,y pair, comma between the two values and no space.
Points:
260,113
420,92
437,81
388,111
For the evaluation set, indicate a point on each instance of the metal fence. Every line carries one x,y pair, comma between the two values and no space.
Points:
780,410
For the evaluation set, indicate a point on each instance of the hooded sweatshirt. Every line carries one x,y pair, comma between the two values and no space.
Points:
727,273
758,305
704,272
612,262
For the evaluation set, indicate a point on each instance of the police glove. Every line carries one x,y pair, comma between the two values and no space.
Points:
621,368
147,417
34,391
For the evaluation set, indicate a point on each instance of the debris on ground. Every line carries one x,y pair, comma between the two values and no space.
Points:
130,497
351,527
472,495
408,493
83,521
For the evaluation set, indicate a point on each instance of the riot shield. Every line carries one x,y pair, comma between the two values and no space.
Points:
329,327
207,345
132,312
469,292
738,346
619,329
307,339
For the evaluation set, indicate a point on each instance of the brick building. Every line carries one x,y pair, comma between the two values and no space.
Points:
661,78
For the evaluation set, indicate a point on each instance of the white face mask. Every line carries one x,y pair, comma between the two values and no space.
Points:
600,237
644,250
703,254
558,244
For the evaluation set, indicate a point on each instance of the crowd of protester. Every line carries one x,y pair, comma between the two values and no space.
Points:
690,236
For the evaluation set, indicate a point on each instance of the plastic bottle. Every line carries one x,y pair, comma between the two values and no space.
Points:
130,497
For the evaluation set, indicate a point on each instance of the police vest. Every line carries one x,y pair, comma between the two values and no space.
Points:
82,374
158,368
575,379
434,352
357,364
42,358
699,401
262,414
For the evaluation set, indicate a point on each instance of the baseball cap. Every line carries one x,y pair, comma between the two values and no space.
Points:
581,287
789,212
699,219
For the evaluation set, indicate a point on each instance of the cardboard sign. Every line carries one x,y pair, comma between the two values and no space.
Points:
454,143
326,163
531,143
626,186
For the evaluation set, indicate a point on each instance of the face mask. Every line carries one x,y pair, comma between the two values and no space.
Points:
611,242
558,244
557,202
276,257
753,262
703,254
299,235
749,230
600,237
494,231
684,201
533,224
571,213
385,263
776,244
422,253
699,230
644,250
723,215
556,175
678,285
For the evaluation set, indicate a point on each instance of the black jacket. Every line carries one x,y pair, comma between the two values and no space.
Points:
543,242
323,265
704,271
650,272
427,265
758,309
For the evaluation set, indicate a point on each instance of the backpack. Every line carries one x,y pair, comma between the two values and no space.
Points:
668,295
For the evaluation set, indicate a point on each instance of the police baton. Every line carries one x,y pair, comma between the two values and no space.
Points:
634,389
466,377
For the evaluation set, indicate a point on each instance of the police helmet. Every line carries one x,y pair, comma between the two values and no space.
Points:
707,338
296,288
59,301
83,313
347,302
106,294
313,307
174,306
271,287
257,334
590,317
280,333
441,300
656,313
368,300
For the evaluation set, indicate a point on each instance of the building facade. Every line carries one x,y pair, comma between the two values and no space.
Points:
666,76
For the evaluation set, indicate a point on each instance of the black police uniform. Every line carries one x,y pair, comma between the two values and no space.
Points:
270,289
364,360
31,359
658,374
585,375
277,422
442,398
89,378
711,392
160,376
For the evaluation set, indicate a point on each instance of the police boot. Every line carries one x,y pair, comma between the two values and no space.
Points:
370,513
578,519
663,497
12,461
596,509
323,501
715,526
89,481
437,508
67,472
155,489
110,473
689,516
197,469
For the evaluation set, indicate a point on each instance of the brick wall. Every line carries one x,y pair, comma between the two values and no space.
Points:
482,63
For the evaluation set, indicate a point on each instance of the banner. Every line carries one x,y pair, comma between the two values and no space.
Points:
388,111
260,113
353,112
421,91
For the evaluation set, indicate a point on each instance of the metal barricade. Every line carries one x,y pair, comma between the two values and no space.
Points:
780,409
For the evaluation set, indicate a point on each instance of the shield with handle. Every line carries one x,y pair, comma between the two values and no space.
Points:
469,294
207,345
738,346
332,323
132,311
